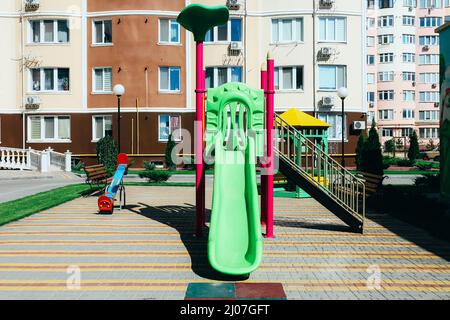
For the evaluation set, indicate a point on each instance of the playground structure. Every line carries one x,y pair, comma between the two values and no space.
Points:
106,200
235,242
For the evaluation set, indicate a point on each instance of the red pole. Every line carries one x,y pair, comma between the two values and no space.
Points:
199,170
263,176
269,127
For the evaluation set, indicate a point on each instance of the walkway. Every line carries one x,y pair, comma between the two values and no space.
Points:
148,252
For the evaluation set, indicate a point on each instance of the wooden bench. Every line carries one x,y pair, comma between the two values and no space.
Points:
372,181
98,175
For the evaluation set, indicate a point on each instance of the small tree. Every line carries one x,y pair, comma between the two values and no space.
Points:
359,150
390,146
107,152
169,147
413,151
372,158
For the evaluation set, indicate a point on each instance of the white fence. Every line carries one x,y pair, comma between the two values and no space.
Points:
29,159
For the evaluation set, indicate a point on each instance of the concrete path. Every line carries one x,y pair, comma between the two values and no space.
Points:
16,184
148,251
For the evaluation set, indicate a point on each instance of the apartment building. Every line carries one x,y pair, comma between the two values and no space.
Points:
64,57
317,47
403,67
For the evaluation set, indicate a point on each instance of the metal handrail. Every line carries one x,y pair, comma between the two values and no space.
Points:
308,159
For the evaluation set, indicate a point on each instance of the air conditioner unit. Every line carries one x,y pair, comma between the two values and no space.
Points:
425,48
32,102
326,51
410,9
233,4
328,101
236,45
434,85
436,104
326,3
31,5
359,125
413,84
371,105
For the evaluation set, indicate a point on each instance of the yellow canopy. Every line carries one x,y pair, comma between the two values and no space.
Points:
297,118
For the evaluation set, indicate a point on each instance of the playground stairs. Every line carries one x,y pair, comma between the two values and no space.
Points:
306,165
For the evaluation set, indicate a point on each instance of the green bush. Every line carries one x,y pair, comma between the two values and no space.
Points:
413,151
78,166
107,152
430,182
359,150
405,163
156,175
372,158
148,165
169,147
390,146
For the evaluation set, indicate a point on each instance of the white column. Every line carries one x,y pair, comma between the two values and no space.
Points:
68,155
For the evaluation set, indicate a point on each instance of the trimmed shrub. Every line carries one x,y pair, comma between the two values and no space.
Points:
169,147
413,151
156,175
372,158
359,151
107,152
390,146
148,165
405,163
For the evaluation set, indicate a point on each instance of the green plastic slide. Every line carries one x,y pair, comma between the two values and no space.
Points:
235,243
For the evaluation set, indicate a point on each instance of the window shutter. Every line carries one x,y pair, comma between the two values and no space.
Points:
35,128
107,79
164,30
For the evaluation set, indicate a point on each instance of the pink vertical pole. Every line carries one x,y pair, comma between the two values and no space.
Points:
269,127
263,164
199,169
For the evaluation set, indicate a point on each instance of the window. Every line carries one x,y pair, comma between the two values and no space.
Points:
216,76
370,23
332,29
332,77
49,79
428,22
49,31
385,39
48,128
370,96
386,95
429,96
410,3
408,113
387,114
101,127
370,4
370,59
406,132
335,120
370,116
429,40
230,31
382,4
409,57
102,33
370,78
429,59
167,125
387,132
289,78
102,82
386,21
408,76
409,20
169,79
386,76
425,4
428,133
409,95
370,41
408,39
429,77
429,115
169,31
386,57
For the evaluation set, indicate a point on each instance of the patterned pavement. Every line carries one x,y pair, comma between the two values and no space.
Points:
148,252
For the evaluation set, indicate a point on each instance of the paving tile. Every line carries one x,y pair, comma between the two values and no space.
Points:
260,291
210,290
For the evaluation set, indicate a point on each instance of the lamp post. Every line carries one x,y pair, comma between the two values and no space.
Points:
343,93
119,90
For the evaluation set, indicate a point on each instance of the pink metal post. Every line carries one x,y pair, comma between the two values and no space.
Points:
263,162
199,169
269,127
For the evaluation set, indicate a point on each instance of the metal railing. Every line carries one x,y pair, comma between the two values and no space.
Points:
311,162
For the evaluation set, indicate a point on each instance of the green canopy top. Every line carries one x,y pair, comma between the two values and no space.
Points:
199,19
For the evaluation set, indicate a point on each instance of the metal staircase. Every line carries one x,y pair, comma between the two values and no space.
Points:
305,164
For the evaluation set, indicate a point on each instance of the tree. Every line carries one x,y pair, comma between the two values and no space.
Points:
372,158
359,150
169,147
390,146
107,152
413,151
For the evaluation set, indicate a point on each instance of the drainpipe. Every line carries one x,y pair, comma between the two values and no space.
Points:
22,45
314,57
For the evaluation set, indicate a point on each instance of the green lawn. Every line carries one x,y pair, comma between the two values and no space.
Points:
20,208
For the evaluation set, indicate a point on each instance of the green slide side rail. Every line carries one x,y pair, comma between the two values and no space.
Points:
235,243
